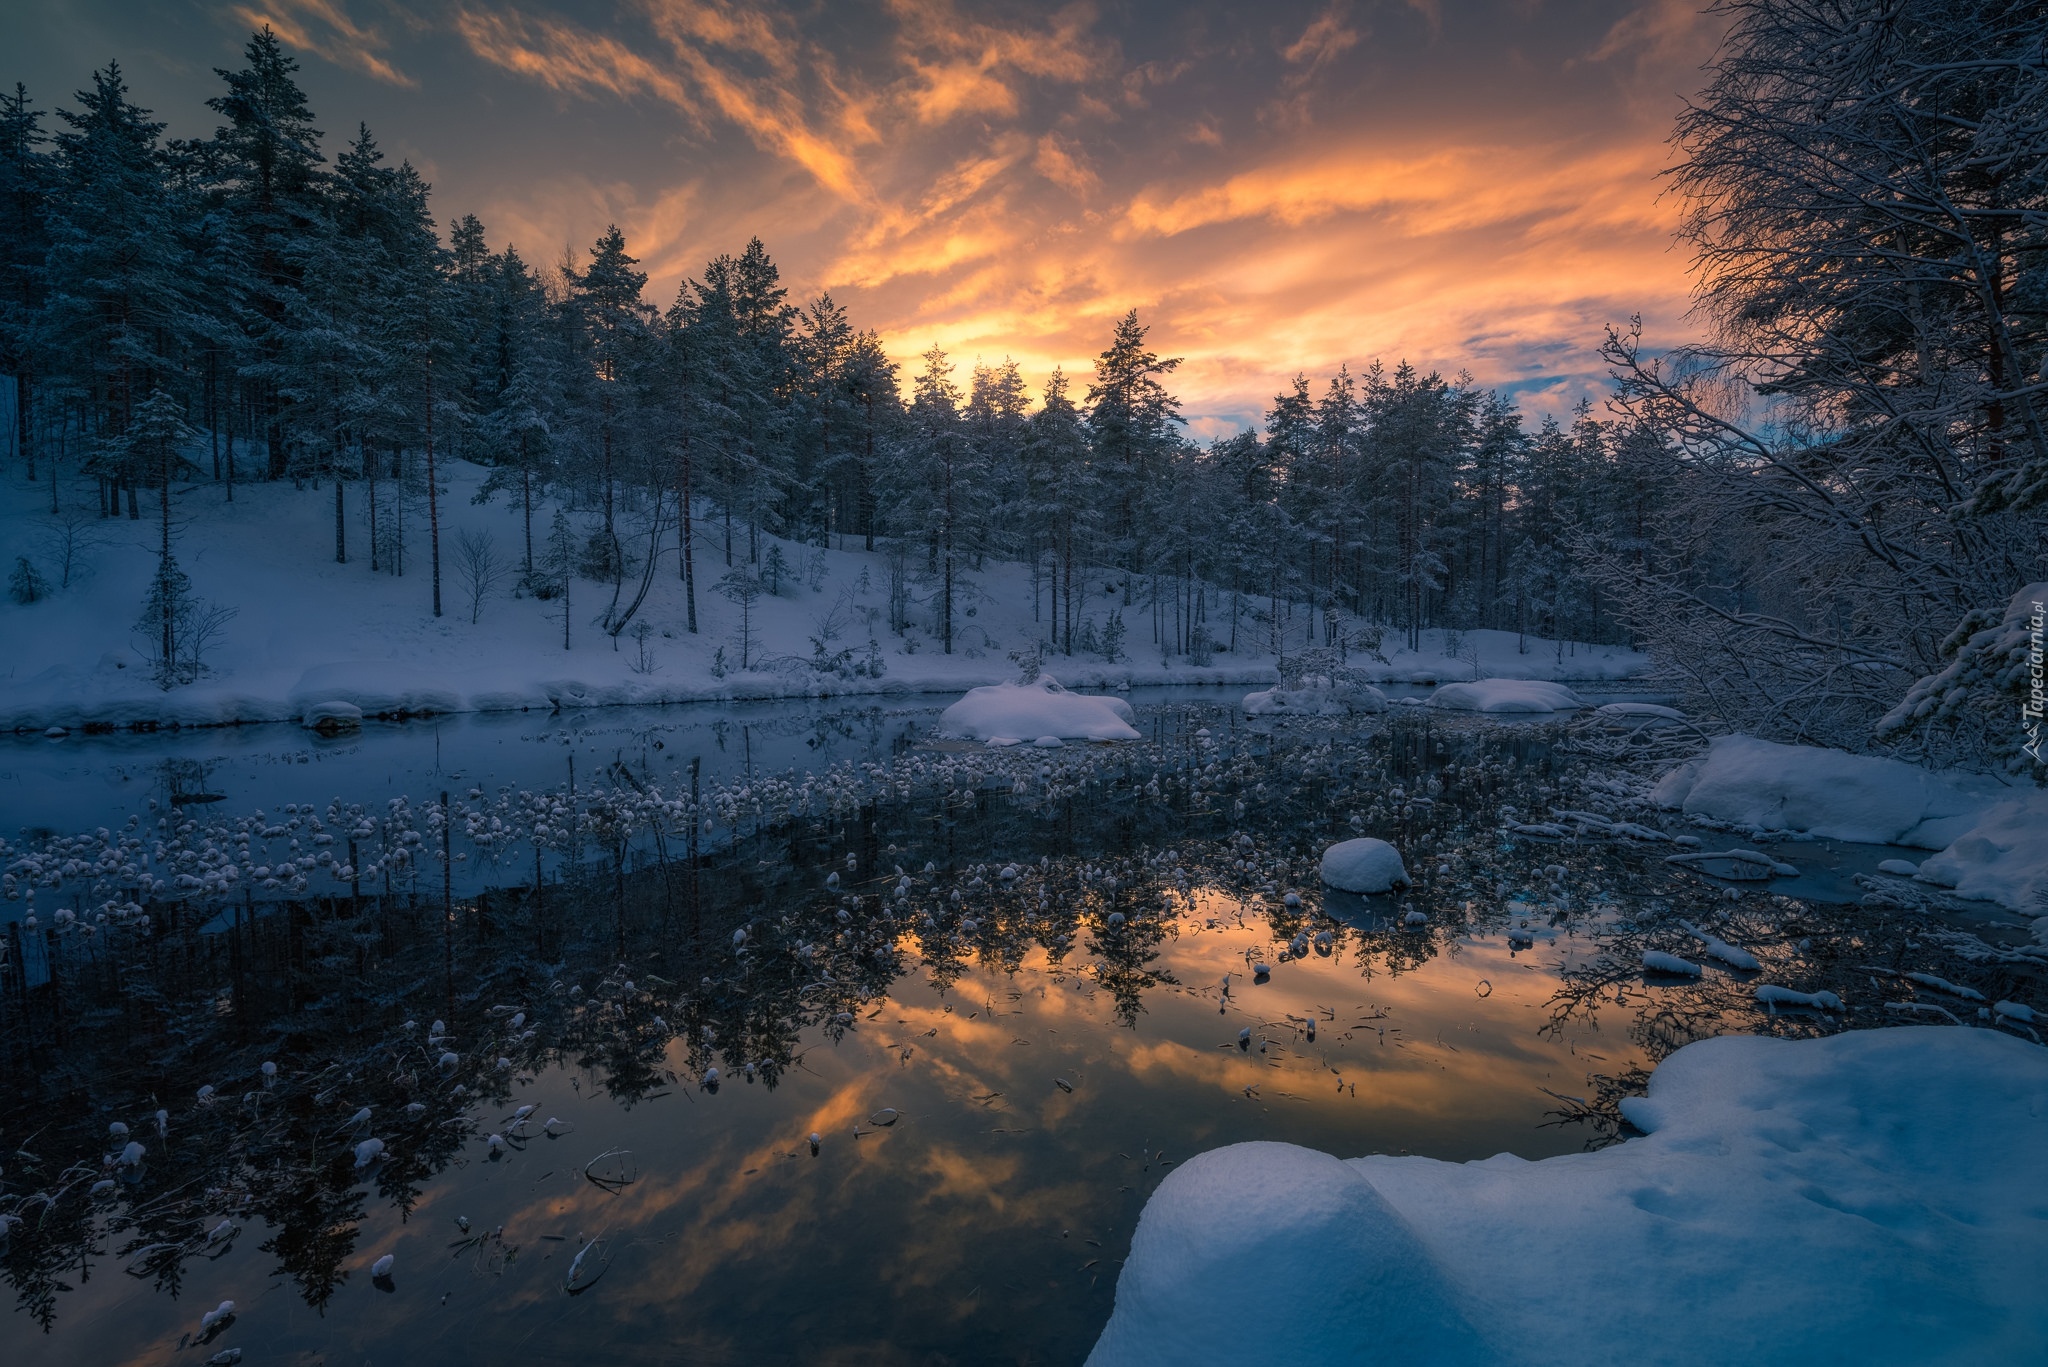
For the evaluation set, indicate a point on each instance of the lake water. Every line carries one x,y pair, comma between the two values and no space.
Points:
1006,990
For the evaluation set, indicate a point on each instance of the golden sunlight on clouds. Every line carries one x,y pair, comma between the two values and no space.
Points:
324,27
1465,186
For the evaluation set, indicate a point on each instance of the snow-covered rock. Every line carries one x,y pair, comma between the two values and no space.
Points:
1507,695
1315,701
1767,786
1364,865
1814,1197
1013,711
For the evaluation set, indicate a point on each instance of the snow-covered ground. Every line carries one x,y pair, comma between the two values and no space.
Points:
309,631
1992,836
1869,1197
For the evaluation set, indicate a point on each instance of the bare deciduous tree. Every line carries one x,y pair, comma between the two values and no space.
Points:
478,568
1864,186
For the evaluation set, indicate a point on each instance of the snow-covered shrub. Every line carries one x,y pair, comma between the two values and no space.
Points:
27,585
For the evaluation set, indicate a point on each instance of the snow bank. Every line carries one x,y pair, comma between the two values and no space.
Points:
1315,701
2003,857
1645,712
1810,1200
1992,838
1014,711
1506,695
1449,657
1364,865
1766,786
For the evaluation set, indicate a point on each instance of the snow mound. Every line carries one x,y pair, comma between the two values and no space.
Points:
1012,711
2003,857
1339,701
1767,786
1507,695
1889,1233
1364,865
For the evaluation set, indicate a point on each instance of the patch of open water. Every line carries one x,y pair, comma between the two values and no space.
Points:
998,1069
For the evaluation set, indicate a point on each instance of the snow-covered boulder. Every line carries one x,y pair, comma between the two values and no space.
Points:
331,716
2003,857
1017,711
1364,865
1507,695
1893,1233
1316,700
1767,786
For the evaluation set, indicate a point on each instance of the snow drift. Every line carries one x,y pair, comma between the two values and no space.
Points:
2003,857
1767,786
1507,695
1810,1200
1017,712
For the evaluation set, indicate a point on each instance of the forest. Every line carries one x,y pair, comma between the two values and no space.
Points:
1815,519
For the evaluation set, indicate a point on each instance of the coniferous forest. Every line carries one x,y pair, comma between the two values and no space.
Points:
1804,518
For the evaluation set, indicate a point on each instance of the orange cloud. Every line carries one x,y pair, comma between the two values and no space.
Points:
324,28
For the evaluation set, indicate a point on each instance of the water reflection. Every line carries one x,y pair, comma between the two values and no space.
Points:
1042,964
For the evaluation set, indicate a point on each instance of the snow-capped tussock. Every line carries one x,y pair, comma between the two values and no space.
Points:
1506,695
1014,711
1766,786
1364,865
1315,701
1893,1234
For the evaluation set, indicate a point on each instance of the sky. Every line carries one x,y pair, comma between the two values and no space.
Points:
1276,187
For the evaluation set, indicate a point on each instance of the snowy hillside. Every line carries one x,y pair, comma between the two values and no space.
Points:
308,631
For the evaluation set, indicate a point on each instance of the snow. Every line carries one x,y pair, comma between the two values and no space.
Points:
1449,657
1006,713
1992,838
1315,701
1809,1200
1645,711
1364,865
309,631
1657,961
331,715
1506,695
2002,858
1760,784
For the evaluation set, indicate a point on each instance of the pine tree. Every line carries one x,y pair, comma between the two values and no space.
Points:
268,160
613,325
1131,418
118,307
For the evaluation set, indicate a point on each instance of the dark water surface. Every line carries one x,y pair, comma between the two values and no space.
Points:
998,1069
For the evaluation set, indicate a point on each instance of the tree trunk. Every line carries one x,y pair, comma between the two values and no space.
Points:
434,504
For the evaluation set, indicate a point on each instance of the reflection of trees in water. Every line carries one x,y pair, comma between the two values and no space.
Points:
622,958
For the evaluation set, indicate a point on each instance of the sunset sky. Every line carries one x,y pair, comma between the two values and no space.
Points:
1275,187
